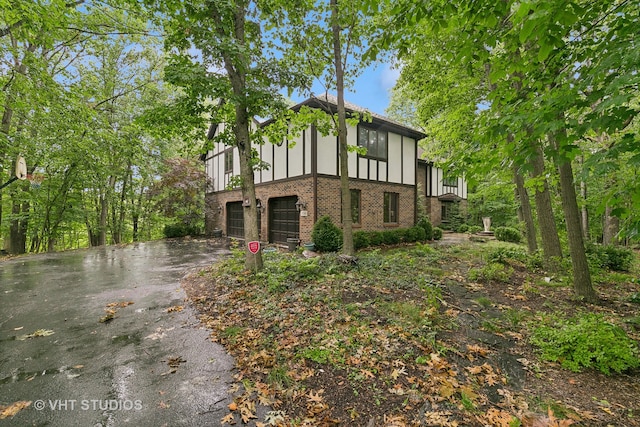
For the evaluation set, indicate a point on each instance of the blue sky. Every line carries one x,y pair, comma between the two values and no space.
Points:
371,89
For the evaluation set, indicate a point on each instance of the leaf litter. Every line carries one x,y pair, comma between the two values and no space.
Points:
111,309
321,343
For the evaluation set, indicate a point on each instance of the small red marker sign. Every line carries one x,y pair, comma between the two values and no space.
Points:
254,247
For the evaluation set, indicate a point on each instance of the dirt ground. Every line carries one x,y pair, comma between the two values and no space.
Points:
346,348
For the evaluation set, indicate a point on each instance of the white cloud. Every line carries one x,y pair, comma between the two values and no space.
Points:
389,76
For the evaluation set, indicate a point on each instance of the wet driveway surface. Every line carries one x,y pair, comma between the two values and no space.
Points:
149,366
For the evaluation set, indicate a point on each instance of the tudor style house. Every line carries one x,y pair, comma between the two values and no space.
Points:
303,183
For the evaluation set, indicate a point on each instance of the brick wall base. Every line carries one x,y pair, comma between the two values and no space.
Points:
328,203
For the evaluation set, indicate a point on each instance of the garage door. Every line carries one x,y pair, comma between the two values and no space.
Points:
235,219
284,219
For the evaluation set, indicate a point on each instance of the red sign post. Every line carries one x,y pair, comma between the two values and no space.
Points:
254,247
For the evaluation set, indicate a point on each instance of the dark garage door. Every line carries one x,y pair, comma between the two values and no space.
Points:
235,219
284,219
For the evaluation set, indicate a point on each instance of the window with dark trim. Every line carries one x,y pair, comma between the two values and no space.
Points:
391,204
446,211
374,140
449,181
228,160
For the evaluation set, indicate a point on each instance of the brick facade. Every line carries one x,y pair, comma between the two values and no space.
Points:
371,202
328,203
301,187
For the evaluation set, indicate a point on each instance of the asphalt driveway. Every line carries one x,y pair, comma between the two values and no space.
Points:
149,366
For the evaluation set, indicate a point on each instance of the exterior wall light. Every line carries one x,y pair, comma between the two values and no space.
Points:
300,205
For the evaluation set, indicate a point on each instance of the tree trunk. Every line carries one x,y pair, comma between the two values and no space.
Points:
584,212
610,228
18,227
347,220
581,275
552,250
102,222
525,210
253,262
19,67
236,70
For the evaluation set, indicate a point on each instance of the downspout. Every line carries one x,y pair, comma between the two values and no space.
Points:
314,170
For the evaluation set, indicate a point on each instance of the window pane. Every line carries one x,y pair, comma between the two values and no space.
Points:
382,145
386,208
393,215
450,181
228,161
391,204
373,144
363,137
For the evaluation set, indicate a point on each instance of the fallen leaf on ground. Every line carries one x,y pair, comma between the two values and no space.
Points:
175,308
38,333
13,409
228,419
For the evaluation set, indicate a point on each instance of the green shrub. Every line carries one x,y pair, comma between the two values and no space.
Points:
474,229
614,258
421,234
179,230
326,235
392,237
462,228
375,238
504,254
361,239
508,234
535,261
437,233
493,271
587,341
414,234
424,223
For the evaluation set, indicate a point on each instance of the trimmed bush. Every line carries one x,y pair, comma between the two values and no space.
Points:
426,225
326,235
508,234
413,234
361,240
375,238
392,237
437,233
587,341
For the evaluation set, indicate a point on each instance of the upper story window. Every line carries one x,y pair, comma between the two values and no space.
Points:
450,181
228,160
374,140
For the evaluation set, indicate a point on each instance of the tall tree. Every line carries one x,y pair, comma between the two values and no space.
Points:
548,48
326,40
220,51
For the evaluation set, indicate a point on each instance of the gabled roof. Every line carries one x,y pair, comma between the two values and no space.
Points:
329,104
